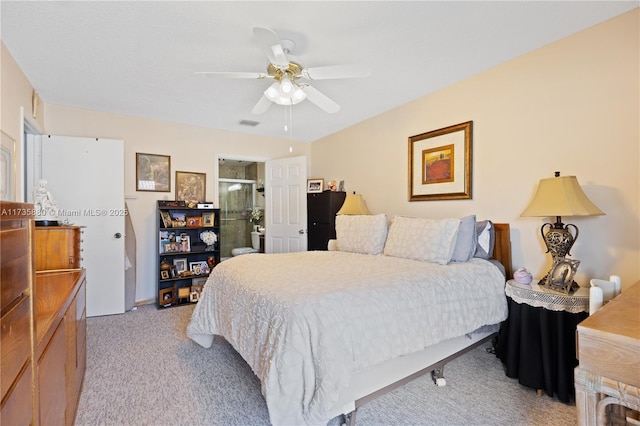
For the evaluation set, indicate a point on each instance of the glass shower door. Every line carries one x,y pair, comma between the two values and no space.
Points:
237,198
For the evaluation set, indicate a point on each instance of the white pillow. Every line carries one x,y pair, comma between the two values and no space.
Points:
422,239
363,234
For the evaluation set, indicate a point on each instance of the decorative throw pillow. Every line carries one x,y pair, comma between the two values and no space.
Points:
422,239
363,234
466,240
486,239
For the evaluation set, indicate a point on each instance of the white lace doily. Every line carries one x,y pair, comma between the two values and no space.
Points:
536,296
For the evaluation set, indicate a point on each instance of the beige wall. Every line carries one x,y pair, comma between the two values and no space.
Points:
571,106
192,149
15,107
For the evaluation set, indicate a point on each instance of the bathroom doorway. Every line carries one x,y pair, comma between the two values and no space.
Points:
239,185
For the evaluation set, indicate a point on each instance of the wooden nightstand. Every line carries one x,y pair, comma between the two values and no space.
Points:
537,343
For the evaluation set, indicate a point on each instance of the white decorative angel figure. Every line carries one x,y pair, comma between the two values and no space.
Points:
45,207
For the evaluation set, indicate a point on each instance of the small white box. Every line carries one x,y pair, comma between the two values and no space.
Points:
205,205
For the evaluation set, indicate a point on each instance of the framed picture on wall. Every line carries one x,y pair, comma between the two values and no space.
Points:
190,186
440,164
153,172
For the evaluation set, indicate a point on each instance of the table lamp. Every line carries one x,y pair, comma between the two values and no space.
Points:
560,196
353,204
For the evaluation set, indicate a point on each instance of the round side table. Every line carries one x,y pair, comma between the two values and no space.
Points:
537,342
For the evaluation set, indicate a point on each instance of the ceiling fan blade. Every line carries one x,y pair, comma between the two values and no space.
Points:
320,99
262,106
221,74
269,42
336,71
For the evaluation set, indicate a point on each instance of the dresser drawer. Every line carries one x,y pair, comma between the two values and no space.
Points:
14,263
18,407
16,342
57,247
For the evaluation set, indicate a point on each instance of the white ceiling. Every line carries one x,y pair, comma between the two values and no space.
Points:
139,58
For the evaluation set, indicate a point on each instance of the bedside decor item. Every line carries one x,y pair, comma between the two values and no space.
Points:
256,217
559,196
153,172
354,204
560,278
522,276
440,164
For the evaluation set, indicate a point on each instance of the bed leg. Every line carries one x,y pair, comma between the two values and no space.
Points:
438,376
349,419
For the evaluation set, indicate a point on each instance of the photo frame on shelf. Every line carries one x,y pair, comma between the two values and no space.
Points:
153,172
165,296
184,292
180,264
191,186
166,219
184,243
208,219
194,221
165,275
194,296
199,268
440,163
315,185
171,247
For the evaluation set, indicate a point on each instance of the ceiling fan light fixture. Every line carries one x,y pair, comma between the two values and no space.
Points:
298,95
273,92
285,85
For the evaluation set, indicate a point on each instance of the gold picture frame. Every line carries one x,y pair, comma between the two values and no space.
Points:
440,163
153,172
191,186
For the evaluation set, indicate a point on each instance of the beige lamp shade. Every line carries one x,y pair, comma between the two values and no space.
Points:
560,196
354,204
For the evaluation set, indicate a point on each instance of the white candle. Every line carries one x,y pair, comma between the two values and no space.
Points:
595,299
617,284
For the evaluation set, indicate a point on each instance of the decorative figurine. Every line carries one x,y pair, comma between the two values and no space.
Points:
522,276
45,208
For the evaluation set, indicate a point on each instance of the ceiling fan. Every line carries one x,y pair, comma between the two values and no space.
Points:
290,86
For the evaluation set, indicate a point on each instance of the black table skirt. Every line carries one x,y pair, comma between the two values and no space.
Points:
538,347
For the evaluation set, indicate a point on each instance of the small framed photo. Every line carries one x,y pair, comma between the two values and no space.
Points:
180,264
199,268
208,219
165,296
166,219
178,220
194,296
164,275
560,277
185,243
194,221
171,247
315,185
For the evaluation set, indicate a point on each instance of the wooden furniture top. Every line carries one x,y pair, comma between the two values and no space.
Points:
620,316
54,294
609,340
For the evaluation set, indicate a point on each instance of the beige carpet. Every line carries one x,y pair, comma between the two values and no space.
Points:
142,369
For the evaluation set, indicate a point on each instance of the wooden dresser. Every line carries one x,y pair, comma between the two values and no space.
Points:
607,378
43,328
64,242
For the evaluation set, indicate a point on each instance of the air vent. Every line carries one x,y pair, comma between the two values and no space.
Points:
250,123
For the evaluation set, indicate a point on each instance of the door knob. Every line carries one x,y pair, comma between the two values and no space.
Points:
301,232
117,235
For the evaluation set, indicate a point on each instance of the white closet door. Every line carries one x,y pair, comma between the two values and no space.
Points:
286,205
86,179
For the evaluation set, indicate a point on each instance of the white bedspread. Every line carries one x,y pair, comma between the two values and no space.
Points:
306,321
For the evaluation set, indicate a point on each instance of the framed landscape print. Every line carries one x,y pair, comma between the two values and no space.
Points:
153,172
440,164
190,186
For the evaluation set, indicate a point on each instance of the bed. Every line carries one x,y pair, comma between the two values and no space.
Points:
327,331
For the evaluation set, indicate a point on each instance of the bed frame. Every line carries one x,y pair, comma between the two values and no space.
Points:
368,384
